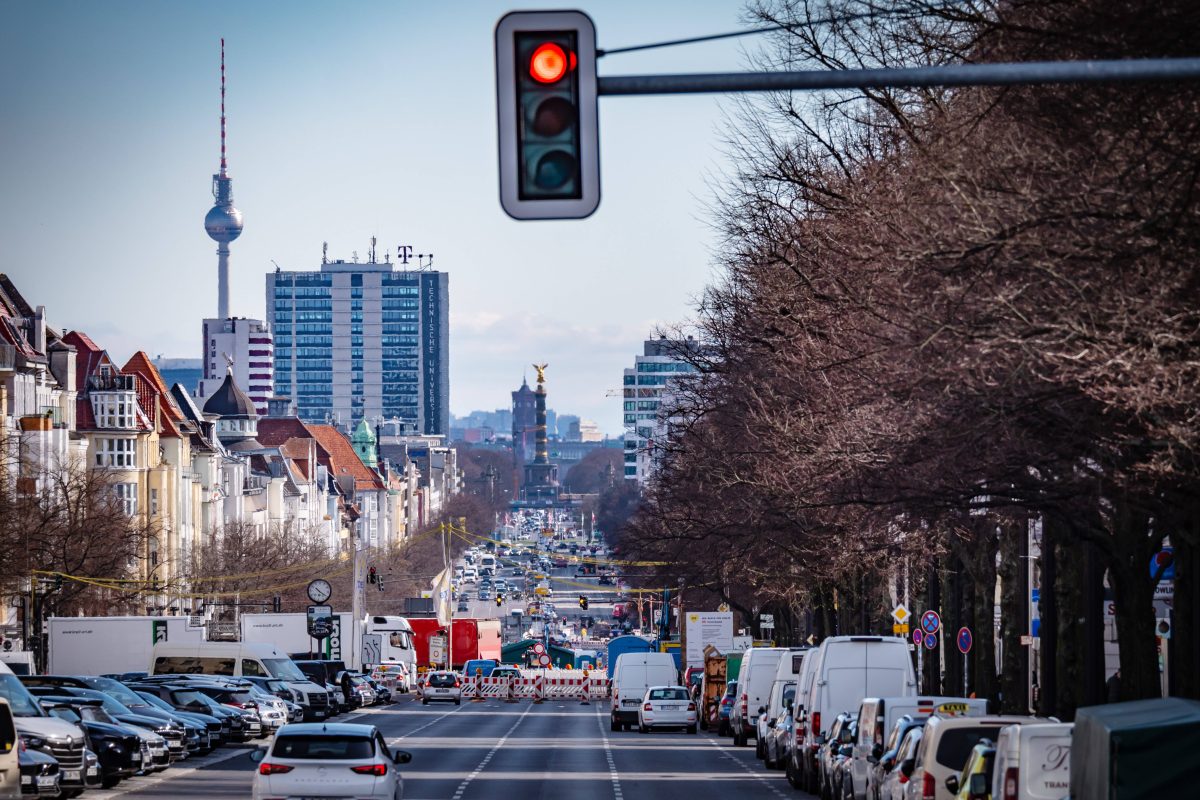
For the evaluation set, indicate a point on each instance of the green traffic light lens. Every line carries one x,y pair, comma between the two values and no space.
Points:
552,117
554,170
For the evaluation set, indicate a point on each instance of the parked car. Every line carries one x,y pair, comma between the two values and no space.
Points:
777,740
975,780
945,747
39,773
184,697
881,766
118,748
442,685
778,703
40,731
831,754
667,707
300,759
1033,762
755,680
894,783
217,731
835,679
877,718
725,706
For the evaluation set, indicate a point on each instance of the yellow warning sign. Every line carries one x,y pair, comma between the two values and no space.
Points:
900,630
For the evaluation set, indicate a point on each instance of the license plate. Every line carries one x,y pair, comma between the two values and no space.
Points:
71,775
45,781
136,756
629,702
93,771
442,691
27,780
668,708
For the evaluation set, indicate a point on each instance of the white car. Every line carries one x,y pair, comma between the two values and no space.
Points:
667,707
441,685
329,759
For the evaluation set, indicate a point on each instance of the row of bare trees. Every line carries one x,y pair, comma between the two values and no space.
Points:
946,315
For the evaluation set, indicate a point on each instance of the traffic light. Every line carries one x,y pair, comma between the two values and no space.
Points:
58,581
276,604
499,600
372,577
546,114
379,580
583,602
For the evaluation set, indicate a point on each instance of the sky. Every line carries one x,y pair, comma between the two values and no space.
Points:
348,120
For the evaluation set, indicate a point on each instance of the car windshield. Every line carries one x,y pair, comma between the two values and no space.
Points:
19,698
323,747
65,712
955,744
233,696
110,704
731,689
441,679
97,714
155,701
188,696
668,694
284,669
115,689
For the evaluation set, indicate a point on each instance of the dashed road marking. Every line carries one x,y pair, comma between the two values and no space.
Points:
608,756
462,787
772,785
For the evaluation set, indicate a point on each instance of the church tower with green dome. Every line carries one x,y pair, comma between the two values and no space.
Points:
363,441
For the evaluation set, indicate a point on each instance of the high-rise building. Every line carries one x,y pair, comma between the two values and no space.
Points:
357,341
243,346
646,386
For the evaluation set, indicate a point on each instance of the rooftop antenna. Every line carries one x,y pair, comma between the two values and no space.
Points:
372,259
324,252
223,223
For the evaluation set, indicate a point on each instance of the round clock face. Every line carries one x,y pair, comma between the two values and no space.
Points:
319,591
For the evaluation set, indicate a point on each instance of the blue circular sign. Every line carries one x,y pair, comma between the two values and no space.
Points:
930,641
965,640
931,622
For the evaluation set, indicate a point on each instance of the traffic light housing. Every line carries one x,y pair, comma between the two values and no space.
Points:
583,602
372,576
547,115
499,600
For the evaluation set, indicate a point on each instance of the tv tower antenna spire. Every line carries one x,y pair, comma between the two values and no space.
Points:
223,222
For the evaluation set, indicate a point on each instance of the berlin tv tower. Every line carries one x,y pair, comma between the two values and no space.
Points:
223,222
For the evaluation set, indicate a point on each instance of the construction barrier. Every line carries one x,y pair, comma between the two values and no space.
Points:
553,685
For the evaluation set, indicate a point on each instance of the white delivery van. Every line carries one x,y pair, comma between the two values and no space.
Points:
945,747
633,674
755,678
876,718
50,735
783,692
1033,761
846,670
238,659
10,759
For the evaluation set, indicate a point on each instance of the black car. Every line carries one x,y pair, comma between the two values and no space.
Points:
117,747
173,735
193,731
184,697
40,774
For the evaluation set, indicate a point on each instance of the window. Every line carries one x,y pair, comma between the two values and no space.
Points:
324,746
154,502
127,494
114,410
116,453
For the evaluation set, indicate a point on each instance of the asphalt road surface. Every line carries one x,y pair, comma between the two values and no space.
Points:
518,751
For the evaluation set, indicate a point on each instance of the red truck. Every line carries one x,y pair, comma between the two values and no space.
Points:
473,638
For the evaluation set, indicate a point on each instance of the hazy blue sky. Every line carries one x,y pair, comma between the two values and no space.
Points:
347,119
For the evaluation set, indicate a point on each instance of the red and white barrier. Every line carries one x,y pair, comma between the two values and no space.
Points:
537,685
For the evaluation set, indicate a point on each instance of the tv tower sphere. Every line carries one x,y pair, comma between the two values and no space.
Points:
223,222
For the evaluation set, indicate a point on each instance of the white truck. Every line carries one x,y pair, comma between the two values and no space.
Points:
288,633
109,645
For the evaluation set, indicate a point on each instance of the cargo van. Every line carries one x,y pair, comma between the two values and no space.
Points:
754,689
945,747
240,659
10,760
633,674
1033,762
781,696
876,718
845,671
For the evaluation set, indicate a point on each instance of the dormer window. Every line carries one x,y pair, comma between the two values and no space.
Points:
115,409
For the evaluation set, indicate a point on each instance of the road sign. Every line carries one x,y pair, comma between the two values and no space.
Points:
539,648
1026,640
372,647
931,622
544,660
900,630
766,620
930,641
918,636
901,614
964,640
320,621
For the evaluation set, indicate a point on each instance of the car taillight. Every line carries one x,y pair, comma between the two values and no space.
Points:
267,768
1010,783
647,707
816,723
691,706
378,770
457,683
928,787
903,778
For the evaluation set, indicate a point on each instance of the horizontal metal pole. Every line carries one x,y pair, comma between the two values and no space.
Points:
1034,72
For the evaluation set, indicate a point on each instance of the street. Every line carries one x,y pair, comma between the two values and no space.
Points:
494,749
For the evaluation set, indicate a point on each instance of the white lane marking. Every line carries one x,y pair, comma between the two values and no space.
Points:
749,771
435,721
462,787
612,765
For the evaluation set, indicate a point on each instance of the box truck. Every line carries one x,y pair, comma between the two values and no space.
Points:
472,639
108,645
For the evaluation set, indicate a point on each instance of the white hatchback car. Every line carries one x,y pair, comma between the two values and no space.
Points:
312,759
441,685
667,707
